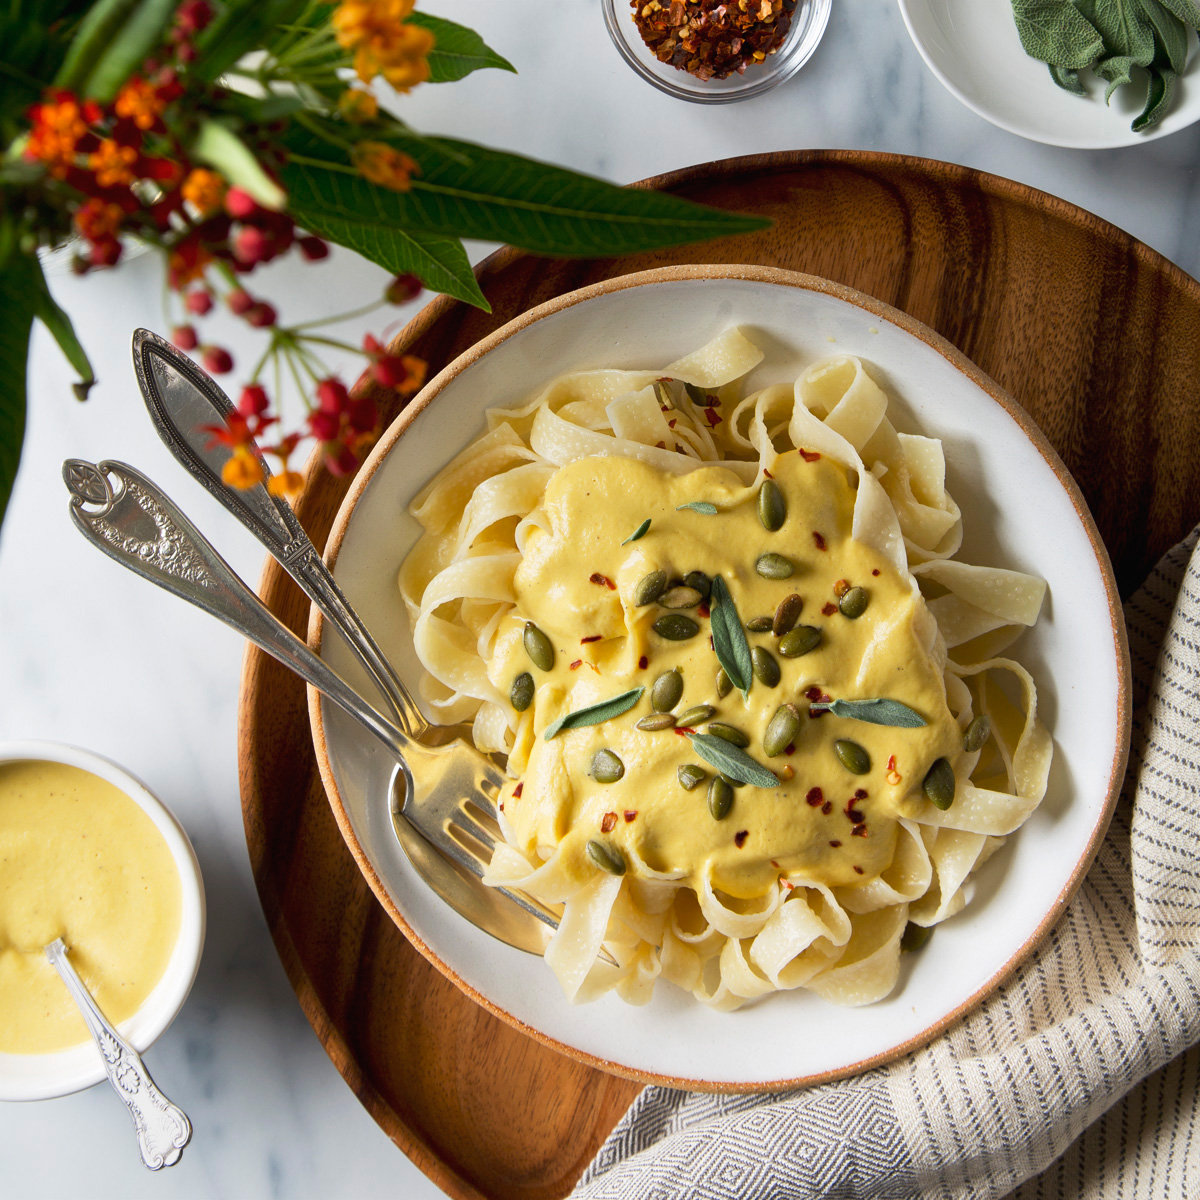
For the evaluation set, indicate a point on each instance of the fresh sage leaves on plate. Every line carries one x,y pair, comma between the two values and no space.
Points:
1112,37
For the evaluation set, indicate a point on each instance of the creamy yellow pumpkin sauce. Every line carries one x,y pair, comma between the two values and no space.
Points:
81,861
823,821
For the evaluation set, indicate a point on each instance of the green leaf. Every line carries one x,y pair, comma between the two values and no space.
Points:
731,760
239,27
1170,34
440,263
470,191
458,50
97,29
63,332
700,506
595,714
639,533
18,281
1056,32
221,148
1068,80
1186,10
873,712
1126,31
729,638
139,33
1118,70
1158,99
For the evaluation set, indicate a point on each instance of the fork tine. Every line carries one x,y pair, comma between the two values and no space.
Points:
459,819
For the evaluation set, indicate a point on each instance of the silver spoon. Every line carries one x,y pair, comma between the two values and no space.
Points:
162,1127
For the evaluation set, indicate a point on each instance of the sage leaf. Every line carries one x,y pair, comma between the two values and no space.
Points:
700,506
729,637
458,50
1126,31
1068,80
1117,70
1056,32
1171,37
595,714
1188,11
732,760
638,533
1158,99
873,712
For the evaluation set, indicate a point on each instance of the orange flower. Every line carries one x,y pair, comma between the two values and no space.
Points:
186,263
380,163
112,163
139,102
382,42
98,220
58,125
204,190
242,470
357,106
286,483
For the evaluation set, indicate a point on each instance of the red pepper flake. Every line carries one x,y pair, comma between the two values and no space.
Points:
818,540
603,581
576,664
815,797
703,610
856,817
827,808
786,884
593,637
710,641
661,445
892,763
790,748
768,473
861,794
739,838
874,570
609,823
710,415
828,609
809,455
518,790
775,864
672,422
858,870
501,805
836,845
859,831
841,588
684,730
814,693
629,814
643,663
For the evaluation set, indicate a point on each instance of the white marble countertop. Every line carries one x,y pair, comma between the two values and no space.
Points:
90,655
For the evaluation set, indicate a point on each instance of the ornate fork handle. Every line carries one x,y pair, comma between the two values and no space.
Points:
162,1127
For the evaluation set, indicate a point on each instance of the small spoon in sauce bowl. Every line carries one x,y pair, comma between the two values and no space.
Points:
163,1128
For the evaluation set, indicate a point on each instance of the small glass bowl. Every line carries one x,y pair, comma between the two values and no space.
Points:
807,29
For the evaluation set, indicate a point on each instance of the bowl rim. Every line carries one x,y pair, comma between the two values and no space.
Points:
795,279
62,1072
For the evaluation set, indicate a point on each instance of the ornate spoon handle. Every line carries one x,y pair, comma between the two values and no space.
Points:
162,1127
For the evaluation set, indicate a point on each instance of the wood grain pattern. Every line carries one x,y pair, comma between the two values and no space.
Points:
1095,334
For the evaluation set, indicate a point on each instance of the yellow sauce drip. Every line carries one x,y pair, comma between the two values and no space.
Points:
591,506
81,861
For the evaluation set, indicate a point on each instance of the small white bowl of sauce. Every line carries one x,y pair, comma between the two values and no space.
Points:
88,854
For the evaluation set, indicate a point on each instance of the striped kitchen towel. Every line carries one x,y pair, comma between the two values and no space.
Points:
1078,1079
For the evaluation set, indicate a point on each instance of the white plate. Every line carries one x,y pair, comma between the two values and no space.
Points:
43,1076
973,47
1021,510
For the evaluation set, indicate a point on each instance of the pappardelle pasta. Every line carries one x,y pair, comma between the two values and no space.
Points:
751,705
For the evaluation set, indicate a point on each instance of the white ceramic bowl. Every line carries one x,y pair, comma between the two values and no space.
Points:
1021,510
973,47
43,1076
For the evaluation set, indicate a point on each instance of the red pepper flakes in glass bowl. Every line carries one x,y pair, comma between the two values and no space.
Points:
716,51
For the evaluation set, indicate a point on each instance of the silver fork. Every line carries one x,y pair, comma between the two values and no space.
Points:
448,792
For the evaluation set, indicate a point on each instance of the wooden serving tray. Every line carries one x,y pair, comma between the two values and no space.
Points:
1094,333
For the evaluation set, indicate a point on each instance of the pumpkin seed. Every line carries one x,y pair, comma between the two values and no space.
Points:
775,566
675,627
680,597
521,695
854,603
782,730
801,640
733,783
720,799
727,733
772,508
724,683
852,756
649,588
606,857
977,734
656,721
666,692
758,624
606,767
694,716
786,615
691,776
766,669
699,581
538,647
915,936
938,784
662,393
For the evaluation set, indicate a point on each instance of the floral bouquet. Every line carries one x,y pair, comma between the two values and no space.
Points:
226,133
